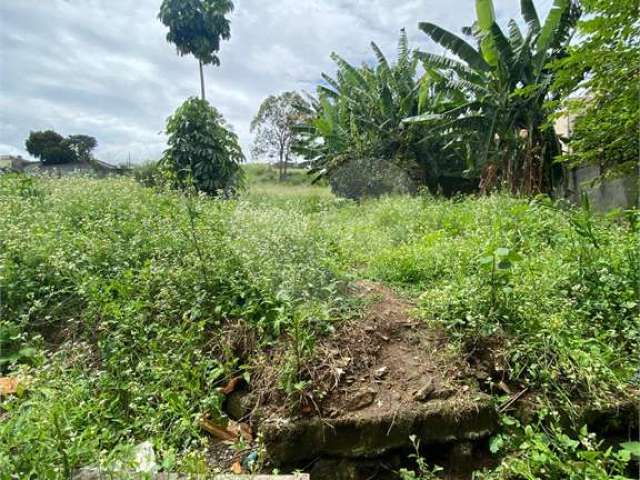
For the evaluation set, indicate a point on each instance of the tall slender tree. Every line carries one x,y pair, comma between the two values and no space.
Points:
196,28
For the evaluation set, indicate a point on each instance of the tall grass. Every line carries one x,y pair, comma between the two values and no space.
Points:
124,307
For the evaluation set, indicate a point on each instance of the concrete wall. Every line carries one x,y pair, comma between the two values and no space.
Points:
604,195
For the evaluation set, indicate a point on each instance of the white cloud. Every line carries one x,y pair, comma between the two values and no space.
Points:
103,67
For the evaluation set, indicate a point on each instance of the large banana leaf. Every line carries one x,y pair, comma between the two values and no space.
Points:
382,60
486,20
455,45
502,45
552,24
530,15
515,35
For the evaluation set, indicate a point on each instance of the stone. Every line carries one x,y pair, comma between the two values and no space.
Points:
425,392
380,373
144,466
361,400
145,458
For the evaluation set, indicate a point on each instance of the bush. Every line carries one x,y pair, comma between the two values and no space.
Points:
369,178
203,153
136,294
149,174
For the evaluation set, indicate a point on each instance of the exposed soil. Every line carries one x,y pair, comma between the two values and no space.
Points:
386,361
374,382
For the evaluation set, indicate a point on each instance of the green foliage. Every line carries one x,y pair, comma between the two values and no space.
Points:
54,149
506,83
425,471
50,147
196,27
126,307
203,153
598,83
274,129
82,145
266,175
133,291
149,174
358,117
547,452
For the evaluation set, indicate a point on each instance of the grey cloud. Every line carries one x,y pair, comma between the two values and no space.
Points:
103,67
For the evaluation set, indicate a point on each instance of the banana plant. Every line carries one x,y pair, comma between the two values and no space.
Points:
359,113
506,80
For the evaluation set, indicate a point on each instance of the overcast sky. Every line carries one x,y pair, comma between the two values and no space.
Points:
103,67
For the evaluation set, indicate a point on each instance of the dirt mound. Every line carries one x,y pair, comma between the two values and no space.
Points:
386,360
377,380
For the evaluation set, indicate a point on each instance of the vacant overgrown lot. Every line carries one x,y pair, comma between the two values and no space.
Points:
123,308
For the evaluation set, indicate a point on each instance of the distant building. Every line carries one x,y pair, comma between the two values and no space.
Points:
9,163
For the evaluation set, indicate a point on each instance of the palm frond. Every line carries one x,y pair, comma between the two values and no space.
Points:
551,25
349,70
433,60
486,21
403,47
502,46
331,82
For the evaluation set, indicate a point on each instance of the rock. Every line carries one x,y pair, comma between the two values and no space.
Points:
424,394
380,373
145,458
144,465
362,400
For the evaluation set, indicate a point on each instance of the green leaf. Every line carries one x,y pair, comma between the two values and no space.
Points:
632,447
530,14
496,444
456,45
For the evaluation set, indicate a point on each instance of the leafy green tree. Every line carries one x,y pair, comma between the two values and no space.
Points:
600,81
359,115
50,148
82,145
203,153
196,28
274,128
506,79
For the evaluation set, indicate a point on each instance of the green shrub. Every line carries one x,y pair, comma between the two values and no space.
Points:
369,178
203,152
149,174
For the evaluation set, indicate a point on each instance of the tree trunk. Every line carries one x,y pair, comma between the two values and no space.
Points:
280,175
202,80
286,164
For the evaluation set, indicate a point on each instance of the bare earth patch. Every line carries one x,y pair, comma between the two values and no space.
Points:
375,382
